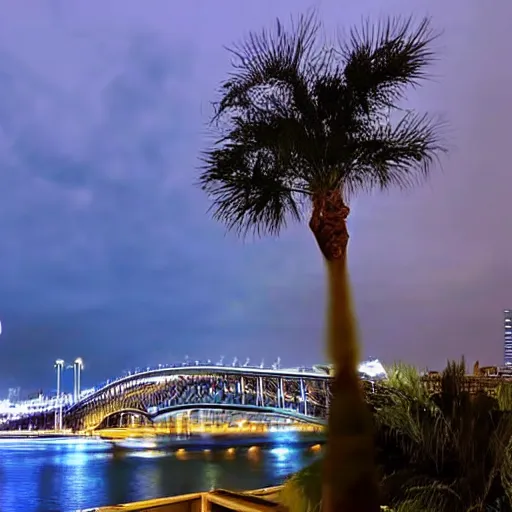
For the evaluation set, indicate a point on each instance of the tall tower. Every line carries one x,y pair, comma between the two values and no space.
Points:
507,328
77,374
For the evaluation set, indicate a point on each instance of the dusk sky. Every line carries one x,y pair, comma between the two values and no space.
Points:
107,250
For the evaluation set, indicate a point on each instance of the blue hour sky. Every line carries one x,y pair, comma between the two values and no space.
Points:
107,251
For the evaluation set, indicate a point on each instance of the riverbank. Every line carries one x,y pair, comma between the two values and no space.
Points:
196,442
176,442
39,434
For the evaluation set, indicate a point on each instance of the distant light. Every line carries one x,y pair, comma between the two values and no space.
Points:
372,368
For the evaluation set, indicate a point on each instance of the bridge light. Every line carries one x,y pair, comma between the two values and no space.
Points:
280,452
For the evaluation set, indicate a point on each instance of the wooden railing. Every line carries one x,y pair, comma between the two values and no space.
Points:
261,500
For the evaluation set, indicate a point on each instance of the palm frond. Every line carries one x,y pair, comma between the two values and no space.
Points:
272,67
504,396
406,378
382,59
431,497
399,155
249,188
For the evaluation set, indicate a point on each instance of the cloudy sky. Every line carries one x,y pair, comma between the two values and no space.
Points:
107,251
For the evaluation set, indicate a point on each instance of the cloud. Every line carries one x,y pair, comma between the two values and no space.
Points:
109,254
107,251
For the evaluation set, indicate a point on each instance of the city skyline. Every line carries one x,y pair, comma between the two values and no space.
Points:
108,251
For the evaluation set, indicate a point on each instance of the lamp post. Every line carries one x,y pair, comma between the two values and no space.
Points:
59,366
77,374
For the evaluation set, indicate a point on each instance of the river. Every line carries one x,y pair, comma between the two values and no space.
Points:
71,474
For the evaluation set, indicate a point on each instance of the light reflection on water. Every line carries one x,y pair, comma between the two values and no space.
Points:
70,474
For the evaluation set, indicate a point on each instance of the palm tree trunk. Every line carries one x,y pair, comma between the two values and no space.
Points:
349,483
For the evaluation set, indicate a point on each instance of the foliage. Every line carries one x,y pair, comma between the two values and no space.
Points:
406,379
302,492
299,117
445,452
504,395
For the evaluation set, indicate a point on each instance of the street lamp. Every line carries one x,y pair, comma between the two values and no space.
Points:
59,366
78,366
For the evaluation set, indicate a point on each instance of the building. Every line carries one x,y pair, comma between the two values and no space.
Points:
507,329
13,395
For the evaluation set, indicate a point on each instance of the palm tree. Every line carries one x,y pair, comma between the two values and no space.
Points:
302,127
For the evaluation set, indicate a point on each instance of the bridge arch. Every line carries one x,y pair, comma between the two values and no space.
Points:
129,411
176,409
282,413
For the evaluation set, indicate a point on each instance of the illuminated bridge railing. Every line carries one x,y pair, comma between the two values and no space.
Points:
138,372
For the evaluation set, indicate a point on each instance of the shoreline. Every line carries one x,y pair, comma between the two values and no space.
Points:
190,443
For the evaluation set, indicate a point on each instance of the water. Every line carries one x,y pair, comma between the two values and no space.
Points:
71,474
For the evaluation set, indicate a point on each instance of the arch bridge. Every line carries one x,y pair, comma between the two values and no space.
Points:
297,394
